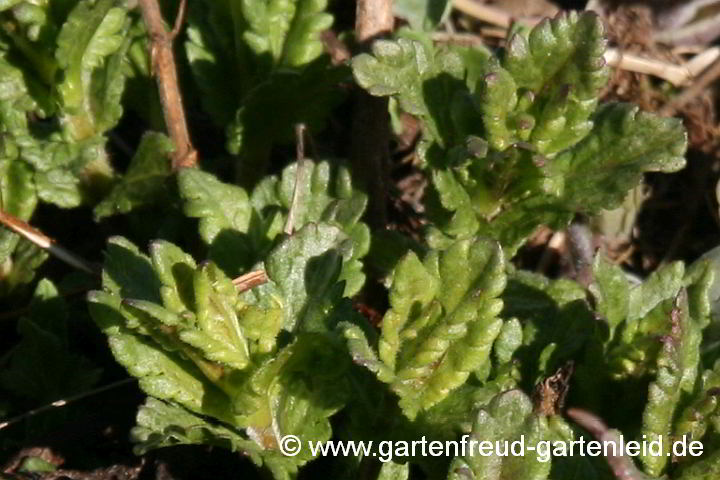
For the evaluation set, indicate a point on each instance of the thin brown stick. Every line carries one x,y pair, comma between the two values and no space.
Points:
250,280
338,51
370,142
165,71
179,20
46,243
460,38
582,252
300,167
486,13
622,466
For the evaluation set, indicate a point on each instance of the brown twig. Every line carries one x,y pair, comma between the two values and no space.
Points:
299,178
338,51
250,280
370,143
179,20
622,466
486,13
580,244
46,243
165,71
459,38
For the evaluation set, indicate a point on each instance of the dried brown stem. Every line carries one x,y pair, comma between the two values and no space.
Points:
486,13
370,144
622,466
338,51
581,252
46,243
250,280
300,168
179,20
165,71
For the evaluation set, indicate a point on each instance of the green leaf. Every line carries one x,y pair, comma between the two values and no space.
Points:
286,378
680,352
306,267
509,417
218,205
161,374
514,142
611,290
706,468
144,181
362,354
19,268
623,144
499,95
286,30
43,367
425,81
246,40
175,271
128,273
555,319
219,335
702,411
394,471
442,322
161,424
514,192
508,341
422,14
93,80
270,111
325,195
186,310
190,338
66,173
268,57
240,236
218,63
17,197
561,63
635,351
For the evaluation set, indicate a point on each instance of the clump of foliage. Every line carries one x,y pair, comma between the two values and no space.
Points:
511,140
516,140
